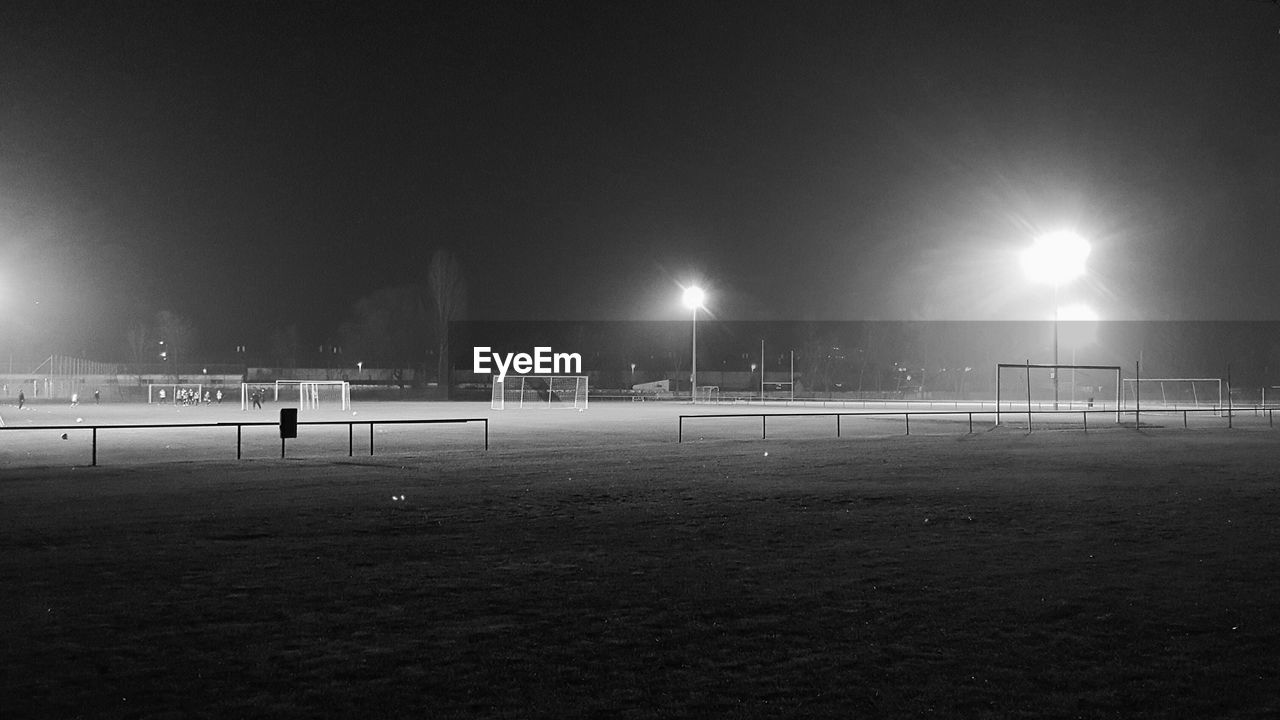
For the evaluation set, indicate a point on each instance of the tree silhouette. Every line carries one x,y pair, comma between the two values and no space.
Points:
448,290
178,335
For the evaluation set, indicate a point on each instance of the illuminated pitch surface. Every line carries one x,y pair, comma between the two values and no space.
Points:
612,422
571,572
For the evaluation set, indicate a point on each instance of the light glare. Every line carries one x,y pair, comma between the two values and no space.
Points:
693,296
1056,258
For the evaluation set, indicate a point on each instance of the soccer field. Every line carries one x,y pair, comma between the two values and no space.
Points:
119,441
605,422
589,565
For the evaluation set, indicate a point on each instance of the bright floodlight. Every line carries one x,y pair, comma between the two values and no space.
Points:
693,297
1056,258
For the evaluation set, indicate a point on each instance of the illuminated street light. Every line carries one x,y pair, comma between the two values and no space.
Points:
693,297
1056,259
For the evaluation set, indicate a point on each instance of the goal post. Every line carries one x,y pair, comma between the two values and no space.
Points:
315,394
1026,387
261,392
1174,393
173,393
308,394
555,392
708,394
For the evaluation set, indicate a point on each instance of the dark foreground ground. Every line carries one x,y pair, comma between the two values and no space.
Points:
1117,574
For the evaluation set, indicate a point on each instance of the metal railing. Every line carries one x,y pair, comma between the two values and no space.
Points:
239,426
906,415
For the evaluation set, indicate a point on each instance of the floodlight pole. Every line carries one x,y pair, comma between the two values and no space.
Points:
693,297
1056,369
693,376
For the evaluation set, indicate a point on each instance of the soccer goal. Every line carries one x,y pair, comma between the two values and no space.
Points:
707,394
1029,387
1174,393
308,394
174,393
556,392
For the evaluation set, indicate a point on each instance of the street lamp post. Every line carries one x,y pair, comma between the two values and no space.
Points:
693,297
1056,258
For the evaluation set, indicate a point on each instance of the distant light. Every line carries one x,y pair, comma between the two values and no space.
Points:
693,296
1056,258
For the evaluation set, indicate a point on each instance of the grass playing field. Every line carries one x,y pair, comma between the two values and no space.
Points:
588,565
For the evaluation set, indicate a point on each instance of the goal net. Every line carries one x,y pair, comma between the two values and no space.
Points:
307,394
707,394
174,393
1026,387
1173,393
557,392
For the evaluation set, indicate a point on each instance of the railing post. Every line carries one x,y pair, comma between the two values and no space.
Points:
95,447
239,427
907,417
764,429
370,439
351,442
679,430
486,433
837,425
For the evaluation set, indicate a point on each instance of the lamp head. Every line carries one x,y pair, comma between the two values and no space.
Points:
693,296
1056,258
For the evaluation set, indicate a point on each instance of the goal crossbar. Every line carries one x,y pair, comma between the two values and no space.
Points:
170,393
1027,367
309,394
563,392
1137,383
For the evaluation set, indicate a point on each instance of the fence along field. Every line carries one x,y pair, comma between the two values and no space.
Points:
134,433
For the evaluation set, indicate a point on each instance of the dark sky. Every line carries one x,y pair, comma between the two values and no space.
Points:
252,165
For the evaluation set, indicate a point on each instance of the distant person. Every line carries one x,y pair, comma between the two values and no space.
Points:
218,396
75,399
206,397
22,399
256,397
97,397
161,394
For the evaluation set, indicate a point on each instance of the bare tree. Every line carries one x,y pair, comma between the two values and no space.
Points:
387,328
178,335
448,290
141,344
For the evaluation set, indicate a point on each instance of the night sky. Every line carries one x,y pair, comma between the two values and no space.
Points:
254,165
